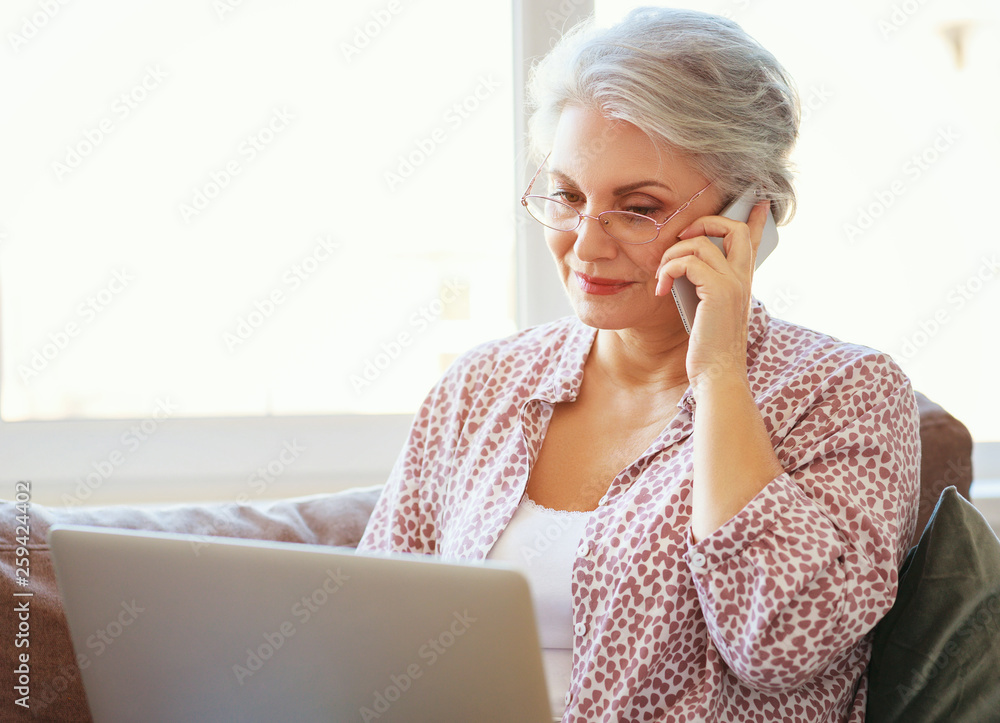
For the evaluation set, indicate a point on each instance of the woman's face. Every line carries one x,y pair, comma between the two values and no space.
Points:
600,165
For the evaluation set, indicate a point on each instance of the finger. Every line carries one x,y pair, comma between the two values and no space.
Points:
739,245
700,247
756,223
718,226
694,268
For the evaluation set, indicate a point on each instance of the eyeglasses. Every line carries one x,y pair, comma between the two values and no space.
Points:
623,226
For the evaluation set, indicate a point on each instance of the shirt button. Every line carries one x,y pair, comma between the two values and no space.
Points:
698,560
567,697
580,629
584,550
603,501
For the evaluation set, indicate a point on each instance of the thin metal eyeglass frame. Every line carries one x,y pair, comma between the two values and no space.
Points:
580,216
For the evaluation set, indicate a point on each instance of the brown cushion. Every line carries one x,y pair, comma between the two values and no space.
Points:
945,458
56,692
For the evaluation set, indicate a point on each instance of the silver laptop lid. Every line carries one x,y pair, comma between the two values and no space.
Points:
171,627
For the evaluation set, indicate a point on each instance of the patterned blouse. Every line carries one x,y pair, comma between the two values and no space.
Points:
766,619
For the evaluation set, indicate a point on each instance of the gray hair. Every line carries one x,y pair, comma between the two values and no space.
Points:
694,81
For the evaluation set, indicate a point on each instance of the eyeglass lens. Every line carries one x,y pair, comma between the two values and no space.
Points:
621,225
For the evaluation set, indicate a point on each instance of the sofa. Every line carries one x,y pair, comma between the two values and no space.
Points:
56,691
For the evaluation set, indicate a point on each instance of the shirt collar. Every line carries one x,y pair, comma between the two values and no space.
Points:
561,381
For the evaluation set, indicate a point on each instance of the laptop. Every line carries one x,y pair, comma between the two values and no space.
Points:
182,628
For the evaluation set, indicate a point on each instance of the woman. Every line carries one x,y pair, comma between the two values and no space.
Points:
733,504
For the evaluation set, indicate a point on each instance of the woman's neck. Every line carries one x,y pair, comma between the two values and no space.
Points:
643,363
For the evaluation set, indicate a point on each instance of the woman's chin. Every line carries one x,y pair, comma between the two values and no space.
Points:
613,314
604,313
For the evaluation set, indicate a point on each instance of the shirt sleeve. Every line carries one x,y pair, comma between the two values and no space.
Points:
410,512
402,520
805,570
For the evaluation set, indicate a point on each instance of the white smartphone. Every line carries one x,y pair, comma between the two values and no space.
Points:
685,295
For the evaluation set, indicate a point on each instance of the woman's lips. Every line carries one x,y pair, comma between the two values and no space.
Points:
595,285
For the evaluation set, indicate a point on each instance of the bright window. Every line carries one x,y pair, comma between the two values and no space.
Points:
250,208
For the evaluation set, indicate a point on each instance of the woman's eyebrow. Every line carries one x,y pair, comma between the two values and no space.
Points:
621,190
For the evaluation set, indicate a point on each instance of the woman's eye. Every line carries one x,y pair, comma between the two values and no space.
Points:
643,210
566,196
642,205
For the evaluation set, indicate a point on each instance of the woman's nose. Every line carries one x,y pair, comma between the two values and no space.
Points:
593,240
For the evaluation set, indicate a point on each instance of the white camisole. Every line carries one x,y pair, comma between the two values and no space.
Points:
543,543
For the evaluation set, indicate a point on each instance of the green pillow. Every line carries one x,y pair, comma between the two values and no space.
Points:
936,654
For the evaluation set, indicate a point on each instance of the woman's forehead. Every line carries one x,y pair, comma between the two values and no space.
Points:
591,149
584,134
